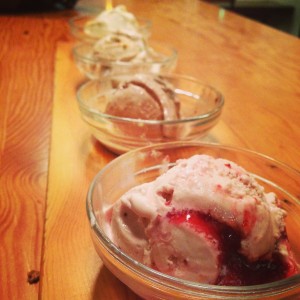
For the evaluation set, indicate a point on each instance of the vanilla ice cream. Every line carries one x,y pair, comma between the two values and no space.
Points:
116,47
115,54
116,20
206,220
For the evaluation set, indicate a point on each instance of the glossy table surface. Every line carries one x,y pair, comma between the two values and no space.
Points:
48,157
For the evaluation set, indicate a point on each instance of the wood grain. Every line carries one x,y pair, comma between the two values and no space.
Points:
27,72
72,269
48,156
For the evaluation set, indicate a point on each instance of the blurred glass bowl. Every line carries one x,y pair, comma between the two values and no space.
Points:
77,27
159,59
200,108
144,165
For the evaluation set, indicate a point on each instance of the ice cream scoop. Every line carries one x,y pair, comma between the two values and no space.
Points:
117,47
116,54
144,97
207,220
132,54
116,20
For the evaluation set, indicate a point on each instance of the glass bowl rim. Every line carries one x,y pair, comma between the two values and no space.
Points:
152,275
94,59
205,117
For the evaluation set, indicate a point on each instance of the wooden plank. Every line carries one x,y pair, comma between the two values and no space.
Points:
72,269
25,120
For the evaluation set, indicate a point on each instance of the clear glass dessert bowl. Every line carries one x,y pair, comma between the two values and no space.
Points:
200,108
144,165
78,23
153,57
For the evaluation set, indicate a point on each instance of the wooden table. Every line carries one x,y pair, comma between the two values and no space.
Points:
48,156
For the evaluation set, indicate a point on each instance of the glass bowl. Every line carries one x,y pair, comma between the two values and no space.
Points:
144,165
200,108
159,59
77,28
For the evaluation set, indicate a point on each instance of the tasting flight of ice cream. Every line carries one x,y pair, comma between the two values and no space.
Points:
206,219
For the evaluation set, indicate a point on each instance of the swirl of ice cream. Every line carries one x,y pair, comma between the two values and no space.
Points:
117,47
145,97
116,20
119,54
205,220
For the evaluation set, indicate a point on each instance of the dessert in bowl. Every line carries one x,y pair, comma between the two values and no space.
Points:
150,209
119,54
134,110
90,28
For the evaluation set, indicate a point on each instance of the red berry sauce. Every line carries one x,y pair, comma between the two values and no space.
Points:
237,270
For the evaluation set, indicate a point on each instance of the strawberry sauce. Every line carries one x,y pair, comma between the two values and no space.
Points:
236,269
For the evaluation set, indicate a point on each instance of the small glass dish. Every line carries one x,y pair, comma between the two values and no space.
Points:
200,108
144,165
77,27
158,59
